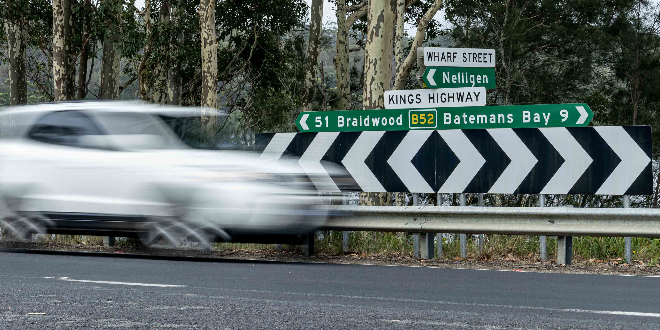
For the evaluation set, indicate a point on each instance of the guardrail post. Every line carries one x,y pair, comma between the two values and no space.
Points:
628,240
345,247
309,243
564,250
480,244
543,244
416,252
108,241
463,237
439,235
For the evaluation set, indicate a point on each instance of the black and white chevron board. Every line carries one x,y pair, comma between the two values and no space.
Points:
602,160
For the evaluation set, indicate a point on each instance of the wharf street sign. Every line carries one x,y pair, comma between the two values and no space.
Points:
506,116
461,57
452,77
602,160
432,98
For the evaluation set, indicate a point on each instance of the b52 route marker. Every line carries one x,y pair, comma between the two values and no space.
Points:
509,116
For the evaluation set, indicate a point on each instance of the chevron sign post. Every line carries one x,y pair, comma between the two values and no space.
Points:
602,160
505,116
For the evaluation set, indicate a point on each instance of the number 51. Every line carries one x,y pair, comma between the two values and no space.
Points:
319,121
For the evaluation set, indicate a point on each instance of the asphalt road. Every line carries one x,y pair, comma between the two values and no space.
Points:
75,291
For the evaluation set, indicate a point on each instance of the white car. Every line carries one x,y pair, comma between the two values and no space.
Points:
120,169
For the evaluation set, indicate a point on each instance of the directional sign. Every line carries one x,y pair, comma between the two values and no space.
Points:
431,98
462,57
603,160
451,77
505,116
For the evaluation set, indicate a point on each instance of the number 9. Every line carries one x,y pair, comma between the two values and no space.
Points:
564,115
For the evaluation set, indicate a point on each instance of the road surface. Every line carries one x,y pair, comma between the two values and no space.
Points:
57,290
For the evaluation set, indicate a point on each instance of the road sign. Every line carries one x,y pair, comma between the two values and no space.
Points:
462,57
431,98
505,116
602,160
452,77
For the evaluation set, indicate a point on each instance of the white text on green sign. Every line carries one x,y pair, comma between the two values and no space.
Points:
453,77
510,116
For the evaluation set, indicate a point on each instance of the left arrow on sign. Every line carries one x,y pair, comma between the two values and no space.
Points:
303,121
310,161
354,161
429,77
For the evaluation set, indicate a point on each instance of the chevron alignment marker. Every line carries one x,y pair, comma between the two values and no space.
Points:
603,160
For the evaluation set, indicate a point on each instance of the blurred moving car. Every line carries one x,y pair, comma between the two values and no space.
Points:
124,168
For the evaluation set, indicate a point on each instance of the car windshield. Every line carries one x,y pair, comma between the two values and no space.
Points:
189,130
127,124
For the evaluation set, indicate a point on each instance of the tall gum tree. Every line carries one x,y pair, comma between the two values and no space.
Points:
403,66
342,60
61,18
174,78
159,93
313,49
111,53
17,42
379,53
209,64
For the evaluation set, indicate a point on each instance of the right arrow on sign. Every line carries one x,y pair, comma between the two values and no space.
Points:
633,160
470,161
576,160
583,115
522,161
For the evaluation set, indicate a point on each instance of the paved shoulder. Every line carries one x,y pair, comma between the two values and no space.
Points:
57,291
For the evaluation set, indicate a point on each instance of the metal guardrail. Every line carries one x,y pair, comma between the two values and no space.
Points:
552,221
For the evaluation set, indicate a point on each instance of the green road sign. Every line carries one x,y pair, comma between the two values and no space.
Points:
452,77
504,116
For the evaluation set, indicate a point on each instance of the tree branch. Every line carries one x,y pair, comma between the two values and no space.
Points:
355,16
404,71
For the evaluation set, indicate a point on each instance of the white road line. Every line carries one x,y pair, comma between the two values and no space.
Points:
121,283
452,303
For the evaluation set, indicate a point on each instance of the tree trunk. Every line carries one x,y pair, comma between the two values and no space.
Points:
160,87
398,37
313,47
174,79
403,69
61,18
17,39
378,56
71,56
143,84
111,55
378,69
342,59
81,92
209,65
